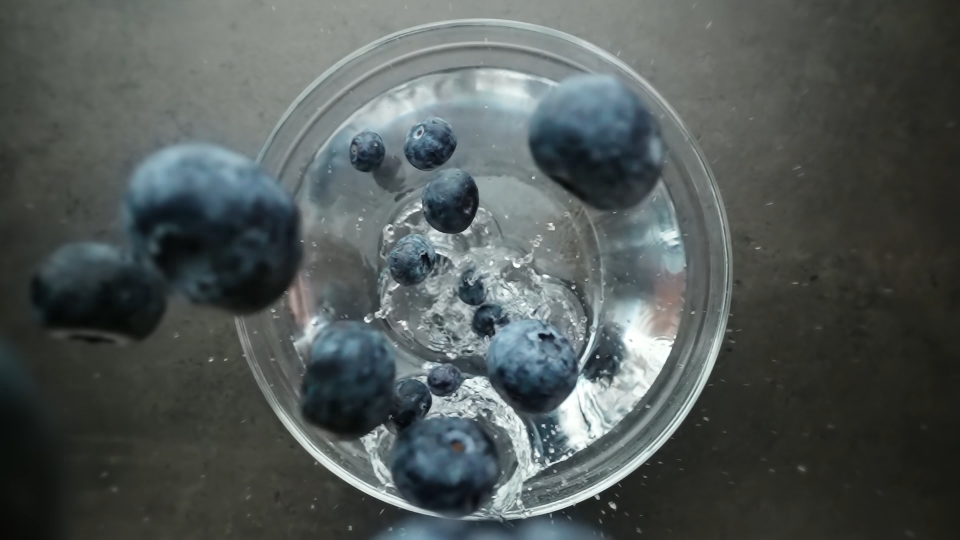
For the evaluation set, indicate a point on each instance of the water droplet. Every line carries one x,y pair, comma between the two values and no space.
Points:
550,227
613,505
368,318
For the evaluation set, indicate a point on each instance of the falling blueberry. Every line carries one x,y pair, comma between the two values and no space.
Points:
450,201
471,289
532,366
366,151
412,260
97,293
444,379
445,465
411,402
347,389
430,144
593,136
487,318
221,231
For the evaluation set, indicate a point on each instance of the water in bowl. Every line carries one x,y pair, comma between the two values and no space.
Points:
611,282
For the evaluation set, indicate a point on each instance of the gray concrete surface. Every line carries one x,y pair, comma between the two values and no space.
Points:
833,128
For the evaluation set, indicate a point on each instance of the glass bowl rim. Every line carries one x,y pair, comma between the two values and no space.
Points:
711,188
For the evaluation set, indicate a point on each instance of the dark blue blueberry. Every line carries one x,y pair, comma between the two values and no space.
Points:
445,465
544,529
471,289
31,457
97,293
366,151
487,318
532,366
412,260
450,201
444,379
421,528
594,137
347,389
430,144
411,402
221,231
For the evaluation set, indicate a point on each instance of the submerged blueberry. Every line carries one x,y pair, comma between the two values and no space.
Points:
97,293
348,386
592,135
445,465
471,289
412,260
450,201
532,366
487,318
221,231
444,379
411,402
366,151
430,144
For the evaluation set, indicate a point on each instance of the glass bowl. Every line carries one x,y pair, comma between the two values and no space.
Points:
643,294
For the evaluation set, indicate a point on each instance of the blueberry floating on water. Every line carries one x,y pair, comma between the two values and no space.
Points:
221,231
444,380
487,318
429,144
593,135
411,402
97,293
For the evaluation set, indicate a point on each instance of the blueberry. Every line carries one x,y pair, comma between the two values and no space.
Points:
444,379
411,402
430,144
31,457
347,389
450,201
412,260
487,318
593,136
543,529
366,151
426,529
532,366
445,465
221,231
471,289
97,293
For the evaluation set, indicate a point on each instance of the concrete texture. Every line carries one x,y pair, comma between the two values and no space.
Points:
833,128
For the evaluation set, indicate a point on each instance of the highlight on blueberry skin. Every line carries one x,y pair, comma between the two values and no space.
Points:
532,366
487,318
411,402
347,389
366,151
412,260
593,135
429,144
446,465
220,229
97,293
450,201
470,288
444,380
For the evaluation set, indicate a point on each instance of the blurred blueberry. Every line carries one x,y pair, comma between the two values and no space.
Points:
97,293
444,379
445,465
532,366
31,457
366,151
487,318
471,289
221,231
421,528
347,389
412,260
430,144
592,135
411,402
450,201
544,529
